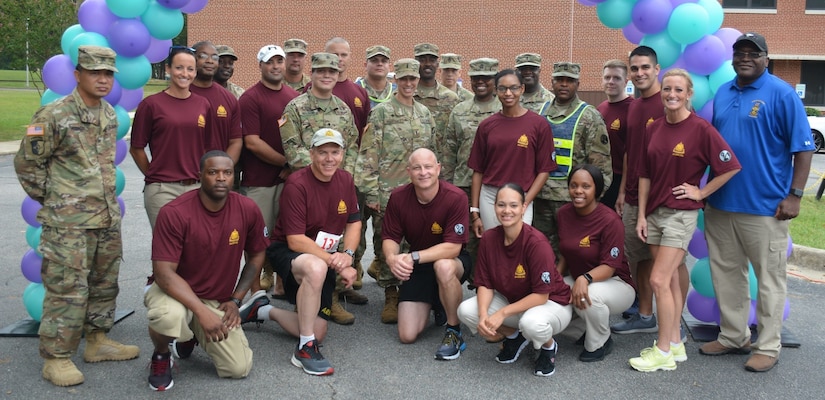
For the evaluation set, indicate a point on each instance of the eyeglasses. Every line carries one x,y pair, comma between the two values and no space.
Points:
750,54
512,89
204,56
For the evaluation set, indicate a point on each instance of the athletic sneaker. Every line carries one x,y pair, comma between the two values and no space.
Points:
598,354
636,325
546,363
651,359
309,358
682,333
160,378
511,349
679,353
249,310
632,310
183,350
451,347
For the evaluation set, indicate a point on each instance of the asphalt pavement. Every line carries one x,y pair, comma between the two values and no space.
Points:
369,360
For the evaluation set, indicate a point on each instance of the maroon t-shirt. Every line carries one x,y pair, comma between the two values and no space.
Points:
512,149
679,153
444,219
592,240
641,113
208,246
261,107
175,131
615,118
358,101
524,267
226,115
309,205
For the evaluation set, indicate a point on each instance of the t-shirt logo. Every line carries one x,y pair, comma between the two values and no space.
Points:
357,102
649,121
614,252
522,141
520,272
221,113
724,156
755,108
459,229
234,237
201,121
545,277
436,229
585,242
342,207
615,125
679,150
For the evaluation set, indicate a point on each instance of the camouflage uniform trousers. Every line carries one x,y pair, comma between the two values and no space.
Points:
80,272
544,219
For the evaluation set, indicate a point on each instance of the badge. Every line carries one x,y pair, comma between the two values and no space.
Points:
545,277
604,139
614,252
459,229
725,156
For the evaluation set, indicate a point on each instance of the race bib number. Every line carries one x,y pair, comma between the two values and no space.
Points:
327,241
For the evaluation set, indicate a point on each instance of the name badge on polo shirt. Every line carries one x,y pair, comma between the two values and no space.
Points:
327,241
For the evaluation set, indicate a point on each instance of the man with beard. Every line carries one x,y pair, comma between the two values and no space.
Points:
226,68
535,95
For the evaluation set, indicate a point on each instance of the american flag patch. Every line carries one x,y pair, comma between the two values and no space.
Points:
34,130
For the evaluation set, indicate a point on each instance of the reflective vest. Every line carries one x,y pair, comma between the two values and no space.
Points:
375,100
564,135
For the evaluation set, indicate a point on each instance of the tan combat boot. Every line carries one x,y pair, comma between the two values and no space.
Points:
359,280
267,276
62,372
338,314
101,348
390,313
373,269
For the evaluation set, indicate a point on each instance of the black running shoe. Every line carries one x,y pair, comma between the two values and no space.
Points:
546,363
511,349
160,378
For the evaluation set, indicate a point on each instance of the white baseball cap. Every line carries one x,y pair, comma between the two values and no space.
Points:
268,51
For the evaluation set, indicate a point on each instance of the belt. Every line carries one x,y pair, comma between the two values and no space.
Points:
186,182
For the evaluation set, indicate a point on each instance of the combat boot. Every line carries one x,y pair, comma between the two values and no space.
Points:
267,276
390,313
359,280
101,348
338,314
374,269
62,372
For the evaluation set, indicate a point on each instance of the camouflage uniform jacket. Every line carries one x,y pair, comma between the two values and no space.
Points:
591,145
375,96
306,114
66,162
300,85
459,138
440,101
463,94
236,90
393,132
534,101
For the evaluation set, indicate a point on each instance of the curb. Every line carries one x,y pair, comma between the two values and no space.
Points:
808,257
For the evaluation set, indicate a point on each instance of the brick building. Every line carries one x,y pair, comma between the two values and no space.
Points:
558,30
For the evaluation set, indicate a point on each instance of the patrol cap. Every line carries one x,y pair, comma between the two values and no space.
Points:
269,51
95,58
295,46
450,60
325,60
483,67
406,67
753,38
326,135
376,50
224,50
528,60
568,69
422,49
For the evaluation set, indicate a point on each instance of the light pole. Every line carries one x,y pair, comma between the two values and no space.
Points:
27,51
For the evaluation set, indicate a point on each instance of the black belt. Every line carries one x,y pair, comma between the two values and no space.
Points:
186,182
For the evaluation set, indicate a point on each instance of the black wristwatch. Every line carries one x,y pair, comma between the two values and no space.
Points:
797,192
589,278
237,302
415,257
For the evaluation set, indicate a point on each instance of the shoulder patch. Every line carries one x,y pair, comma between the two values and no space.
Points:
604,139
545,277
459,229
282,121
35,130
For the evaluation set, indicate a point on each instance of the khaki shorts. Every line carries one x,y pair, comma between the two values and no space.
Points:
635,249
671,228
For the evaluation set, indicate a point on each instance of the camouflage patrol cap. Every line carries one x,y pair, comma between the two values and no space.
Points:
96,58
325,60
528,60
424,49
483,67
224,50
406,67
326,135
295,46
568,69
376,50
450,60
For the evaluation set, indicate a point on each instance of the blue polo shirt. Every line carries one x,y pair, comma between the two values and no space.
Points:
765,124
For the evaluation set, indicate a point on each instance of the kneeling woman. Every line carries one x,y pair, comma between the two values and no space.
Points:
591,242
520,293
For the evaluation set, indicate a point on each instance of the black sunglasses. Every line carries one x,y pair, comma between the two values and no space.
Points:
180,49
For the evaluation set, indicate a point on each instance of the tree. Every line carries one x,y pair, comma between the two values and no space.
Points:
47,20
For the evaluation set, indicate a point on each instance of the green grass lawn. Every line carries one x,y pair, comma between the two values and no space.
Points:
808,229
17,80
18,107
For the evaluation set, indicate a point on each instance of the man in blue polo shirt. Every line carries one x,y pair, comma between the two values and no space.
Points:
763,121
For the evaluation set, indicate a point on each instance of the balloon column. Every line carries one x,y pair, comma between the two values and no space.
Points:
140,32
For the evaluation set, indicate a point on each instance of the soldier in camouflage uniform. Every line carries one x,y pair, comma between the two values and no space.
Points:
318,108
66,163
226,68
535,95
450,66
378,87
296,52
395,129
437,98
579,136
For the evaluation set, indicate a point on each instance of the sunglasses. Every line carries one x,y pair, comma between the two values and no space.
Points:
180,49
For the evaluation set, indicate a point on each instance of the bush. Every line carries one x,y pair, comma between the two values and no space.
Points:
812,112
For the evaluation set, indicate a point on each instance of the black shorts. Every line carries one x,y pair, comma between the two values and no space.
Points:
280,257
423,286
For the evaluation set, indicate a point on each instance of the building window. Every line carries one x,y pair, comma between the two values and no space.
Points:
815,4
813,78
753,4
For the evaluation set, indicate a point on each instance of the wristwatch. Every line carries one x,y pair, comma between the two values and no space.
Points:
415,257
797,192
589,278
349,253
237,302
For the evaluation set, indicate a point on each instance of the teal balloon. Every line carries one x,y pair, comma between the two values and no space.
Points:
33,296
68,35
133,72
701,91
700,222
700,278
753,285
86,39
127,8
33,236
49,96
723,74
120,181
123,122
667,50
615,14
163,23
715,14
688,23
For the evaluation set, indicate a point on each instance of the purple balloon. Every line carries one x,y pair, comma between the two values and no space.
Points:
129,37
753,319
698,246
728,37
122,205
648,15
707,113
114,95
95,16
677,3
632,33
130,98
58,74
790,246
121,148
193,6
705,309
158,50
787,311
173,4
29,209
30,266
679,63
705,55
